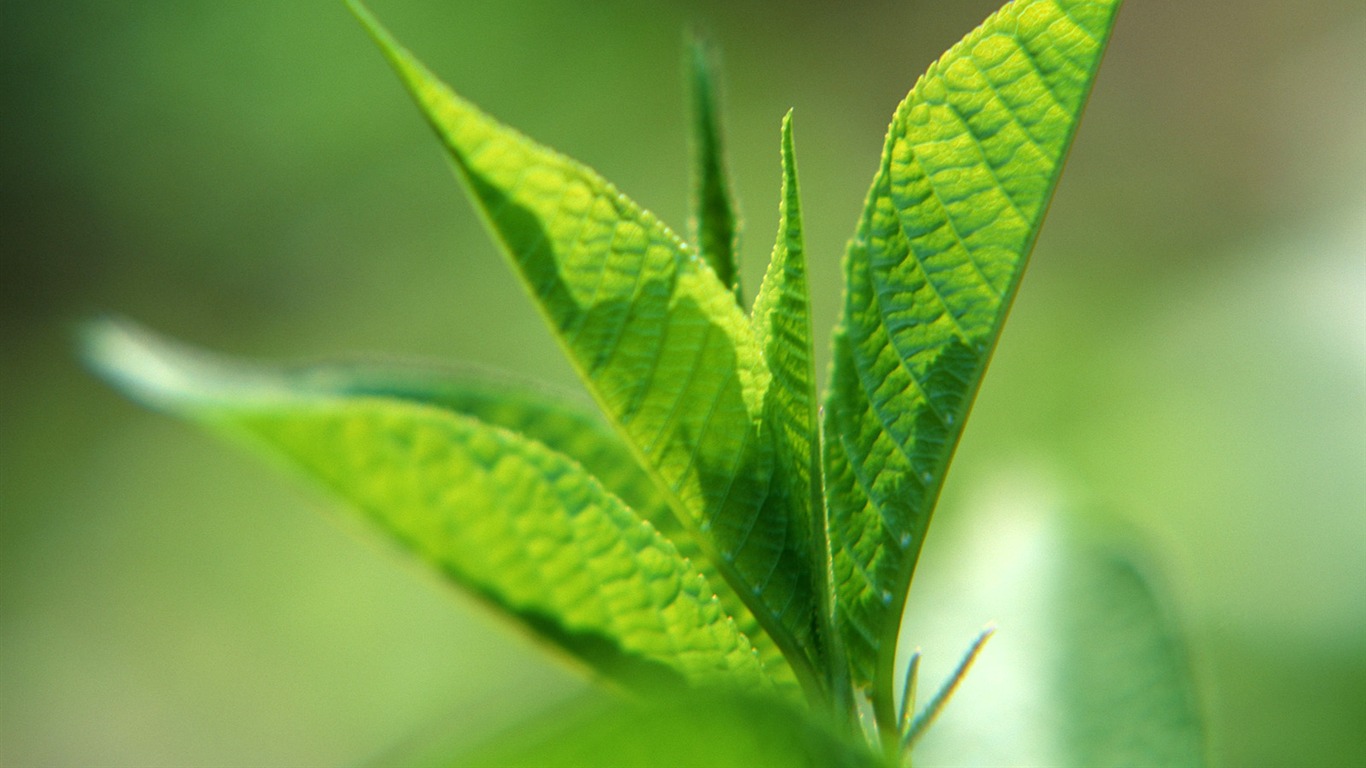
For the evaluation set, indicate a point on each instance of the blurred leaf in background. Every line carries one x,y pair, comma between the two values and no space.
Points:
1088,666
702,730
1187,350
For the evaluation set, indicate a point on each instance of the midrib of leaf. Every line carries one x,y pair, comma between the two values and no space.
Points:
661,343
971,160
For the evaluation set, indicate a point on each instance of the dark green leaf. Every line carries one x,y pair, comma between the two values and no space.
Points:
716,225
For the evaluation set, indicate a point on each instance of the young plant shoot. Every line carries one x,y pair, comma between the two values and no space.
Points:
714,535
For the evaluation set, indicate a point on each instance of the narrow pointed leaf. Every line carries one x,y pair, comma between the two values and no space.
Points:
548,418
782,322
971,161
715,223
660,341
522,527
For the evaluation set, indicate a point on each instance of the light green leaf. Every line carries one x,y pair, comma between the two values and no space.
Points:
547,417
716,228
521,526
782,321
971,161
660,341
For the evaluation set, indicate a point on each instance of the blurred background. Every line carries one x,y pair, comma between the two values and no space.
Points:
1188,352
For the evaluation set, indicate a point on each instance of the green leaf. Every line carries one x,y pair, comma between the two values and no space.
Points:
715,223
1088,668
971,160
660,341
521,526
1122,675
782,322
551,419
706,730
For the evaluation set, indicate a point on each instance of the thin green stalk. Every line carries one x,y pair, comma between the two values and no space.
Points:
927,716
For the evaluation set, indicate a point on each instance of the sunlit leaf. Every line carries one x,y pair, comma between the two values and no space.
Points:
782,322
524,528
552,418
660,341
971,161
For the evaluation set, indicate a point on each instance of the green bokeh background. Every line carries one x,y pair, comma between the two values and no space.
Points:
1188,351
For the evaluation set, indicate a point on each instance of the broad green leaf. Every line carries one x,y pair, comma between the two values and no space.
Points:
546,417
521,526
706,730
782,322
971,160
715,223
660,341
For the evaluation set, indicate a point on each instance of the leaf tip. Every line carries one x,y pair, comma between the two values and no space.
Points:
701,52
133,360
789,153
364,16
397,55
163,374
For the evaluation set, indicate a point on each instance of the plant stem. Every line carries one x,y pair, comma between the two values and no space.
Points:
885,716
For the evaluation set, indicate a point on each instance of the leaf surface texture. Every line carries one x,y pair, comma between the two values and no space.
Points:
521,526
658,338
971,161
555,420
